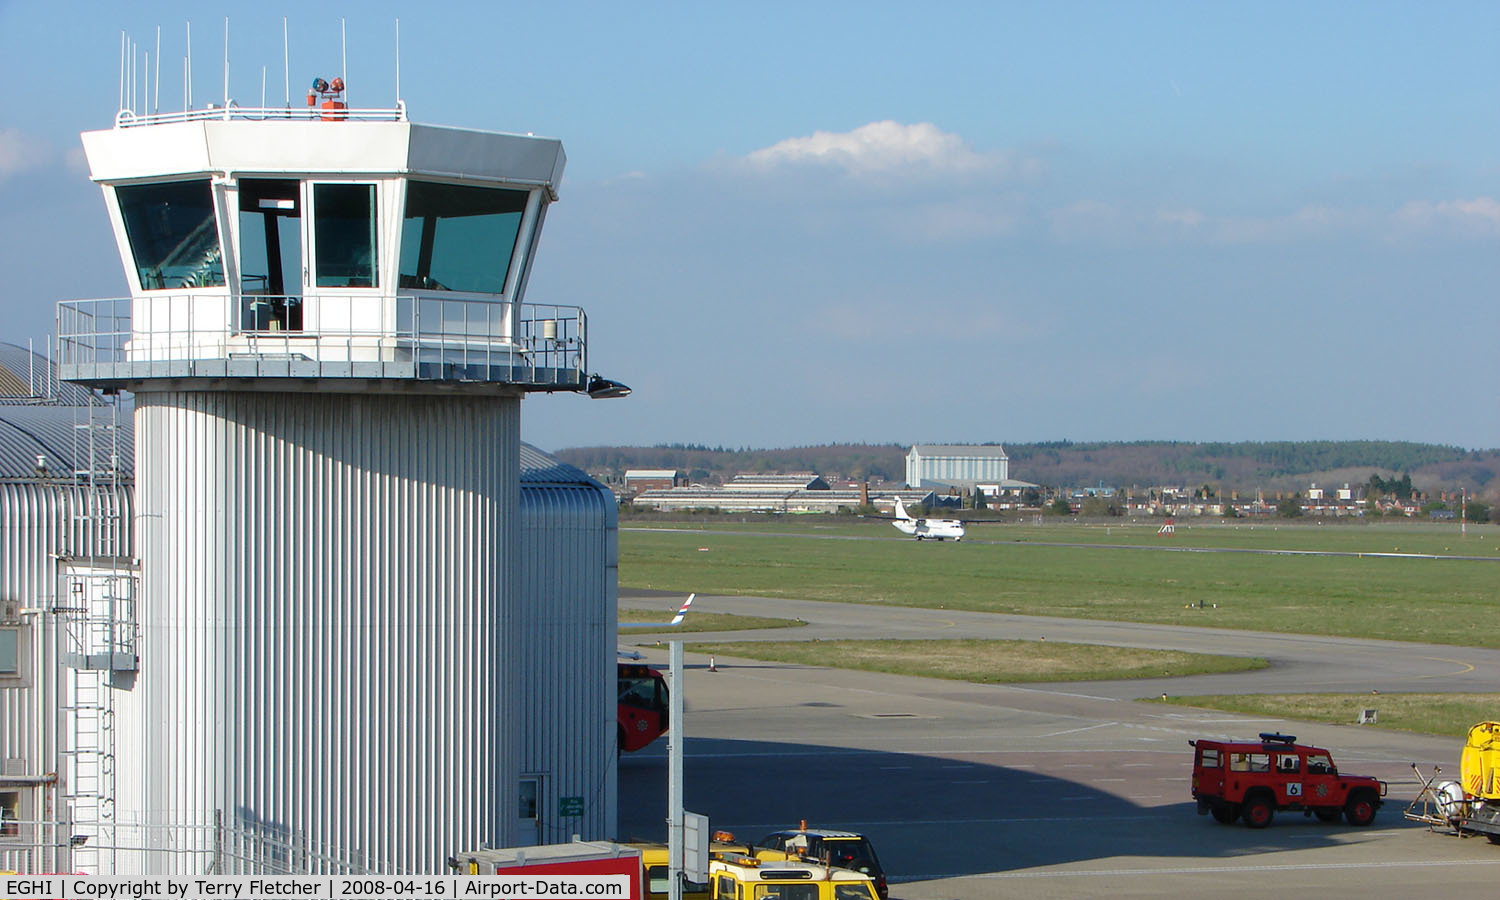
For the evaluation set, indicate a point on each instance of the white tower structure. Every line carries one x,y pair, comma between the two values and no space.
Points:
327,343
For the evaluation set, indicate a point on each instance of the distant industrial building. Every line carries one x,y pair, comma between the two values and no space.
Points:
964,467
791,481
798,492
637,480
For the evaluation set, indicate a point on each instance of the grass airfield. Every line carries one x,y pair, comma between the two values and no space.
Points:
1406,581
1119,572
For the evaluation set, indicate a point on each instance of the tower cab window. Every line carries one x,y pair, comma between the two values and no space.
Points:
344,235
270,254
456,238
172,234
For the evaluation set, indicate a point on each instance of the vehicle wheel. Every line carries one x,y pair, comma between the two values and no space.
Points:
1224,814
1360,810
1258,812
1327,815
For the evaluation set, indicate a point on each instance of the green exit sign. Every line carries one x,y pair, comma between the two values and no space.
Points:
569,806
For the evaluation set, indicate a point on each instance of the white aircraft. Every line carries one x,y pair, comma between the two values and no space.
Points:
922,529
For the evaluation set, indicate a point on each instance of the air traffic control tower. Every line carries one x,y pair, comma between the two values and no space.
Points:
328,346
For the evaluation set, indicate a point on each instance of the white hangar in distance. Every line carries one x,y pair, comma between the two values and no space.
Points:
966,466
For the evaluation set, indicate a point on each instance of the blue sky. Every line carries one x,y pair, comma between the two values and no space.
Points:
812,223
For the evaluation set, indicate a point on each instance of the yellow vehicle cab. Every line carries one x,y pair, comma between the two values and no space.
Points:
655,861
735,876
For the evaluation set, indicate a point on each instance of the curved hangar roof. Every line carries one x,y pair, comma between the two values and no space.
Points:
38,415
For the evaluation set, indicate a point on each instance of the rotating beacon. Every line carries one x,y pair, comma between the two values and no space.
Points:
328,347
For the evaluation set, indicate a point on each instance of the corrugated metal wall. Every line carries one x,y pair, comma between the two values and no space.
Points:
40,520
569,565
325,634
937,467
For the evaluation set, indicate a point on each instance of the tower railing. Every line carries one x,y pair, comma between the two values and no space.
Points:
233,112
366,335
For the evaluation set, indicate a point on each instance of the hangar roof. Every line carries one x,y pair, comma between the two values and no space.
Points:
987,451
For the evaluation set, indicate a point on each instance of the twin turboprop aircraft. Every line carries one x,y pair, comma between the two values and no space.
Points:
927,529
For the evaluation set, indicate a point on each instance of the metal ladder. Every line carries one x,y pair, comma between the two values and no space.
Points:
88,774
93,624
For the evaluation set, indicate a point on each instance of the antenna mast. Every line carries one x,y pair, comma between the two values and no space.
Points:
187,83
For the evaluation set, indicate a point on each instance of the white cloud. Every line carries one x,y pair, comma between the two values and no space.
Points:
1480,215
880,147
19,152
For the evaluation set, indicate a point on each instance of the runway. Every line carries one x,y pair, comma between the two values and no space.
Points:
977,791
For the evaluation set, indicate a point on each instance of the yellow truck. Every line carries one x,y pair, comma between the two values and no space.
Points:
1470,805
734,876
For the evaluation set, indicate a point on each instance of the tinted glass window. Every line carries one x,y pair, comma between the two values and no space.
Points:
1250,762
10,651
528,798
640,693
10,811
344,231
1209,758
1319,764
786,892
459,238
172,234
861,890
850,853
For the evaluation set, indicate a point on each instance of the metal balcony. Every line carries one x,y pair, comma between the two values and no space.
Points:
245,338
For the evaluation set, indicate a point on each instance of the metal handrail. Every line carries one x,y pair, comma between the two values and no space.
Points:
233,112
422,336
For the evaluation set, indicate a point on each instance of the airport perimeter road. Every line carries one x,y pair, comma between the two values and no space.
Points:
980,791
1297,662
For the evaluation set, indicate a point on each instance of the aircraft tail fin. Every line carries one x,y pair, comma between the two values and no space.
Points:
901,509
682,613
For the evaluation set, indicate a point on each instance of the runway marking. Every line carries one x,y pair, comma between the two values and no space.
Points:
1077,730
1204,870
1457,662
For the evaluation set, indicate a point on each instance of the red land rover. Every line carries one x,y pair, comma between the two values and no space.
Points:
1251,780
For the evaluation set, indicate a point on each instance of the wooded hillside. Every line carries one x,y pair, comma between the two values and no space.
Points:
1278,465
